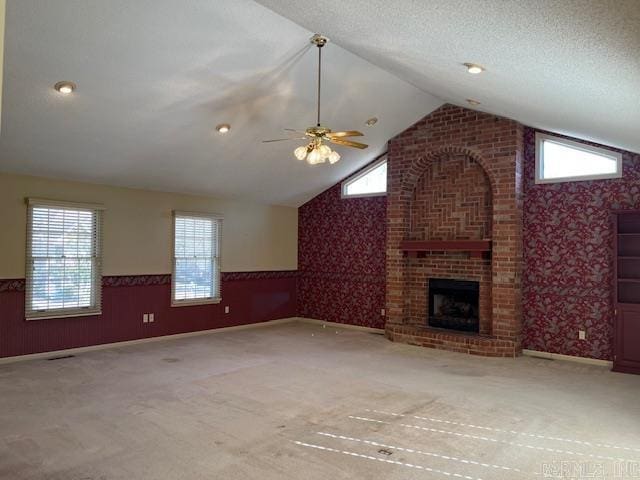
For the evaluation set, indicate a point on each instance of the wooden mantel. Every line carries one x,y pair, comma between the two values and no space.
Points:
418,248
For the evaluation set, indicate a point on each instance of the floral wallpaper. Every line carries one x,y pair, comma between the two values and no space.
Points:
12,285
341,259
568,258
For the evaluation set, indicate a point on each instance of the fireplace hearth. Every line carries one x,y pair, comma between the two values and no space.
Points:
454,305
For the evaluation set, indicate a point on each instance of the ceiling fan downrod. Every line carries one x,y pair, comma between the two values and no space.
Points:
319,41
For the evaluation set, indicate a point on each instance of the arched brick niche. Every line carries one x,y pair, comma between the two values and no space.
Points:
451,200
454,175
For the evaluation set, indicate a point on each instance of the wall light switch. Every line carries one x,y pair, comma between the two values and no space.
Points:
151,318
582,335
145,318
226,309
382,312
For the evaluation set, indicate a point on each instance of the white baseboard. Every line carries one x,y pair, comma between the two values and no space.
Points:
568,358
104,346
340,325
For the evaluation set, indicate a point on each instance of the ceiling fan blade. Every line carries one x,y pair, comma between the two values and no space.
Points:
283,139
348,133
293,130
347,143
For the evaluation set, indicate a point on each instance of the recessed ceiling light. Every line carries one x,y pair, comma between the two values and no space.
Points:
371,122
223,128
474,68
65,87
471,101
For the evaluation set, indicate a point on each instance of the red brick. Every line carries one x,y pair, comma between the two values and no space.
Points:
456,174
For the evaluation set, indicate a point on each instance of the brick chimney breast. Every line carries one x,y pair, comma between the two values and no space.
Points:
456,175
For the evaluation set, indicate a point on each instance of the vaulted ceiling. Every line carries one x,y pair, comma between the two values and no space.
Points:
570,66
156,76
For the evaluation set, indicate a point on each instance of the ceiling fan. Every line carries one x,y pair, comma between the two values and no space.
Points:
317,151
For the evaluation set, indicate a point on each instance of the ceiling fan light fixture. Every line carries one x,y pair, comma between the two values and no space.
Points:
316,152
301,152
314,157
324,151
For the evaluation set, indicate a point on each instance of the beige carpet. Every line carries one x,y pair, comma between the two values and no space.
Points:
299,401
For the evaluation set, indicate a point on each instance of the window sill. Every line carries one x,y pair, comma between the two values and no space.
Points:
193,303
363,195
578,178
93,313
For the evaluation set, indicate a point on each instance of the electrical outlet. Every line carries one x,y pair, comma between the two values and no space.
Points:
582,335
382,312
151,319
145,318
226,309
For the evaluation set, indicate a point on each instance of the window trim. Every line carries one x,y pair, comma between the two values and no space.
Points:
542,137
349,180
96,308
216,274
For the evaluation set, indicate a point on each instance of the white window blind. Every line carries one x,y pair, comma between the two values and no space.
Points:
196,258
64,259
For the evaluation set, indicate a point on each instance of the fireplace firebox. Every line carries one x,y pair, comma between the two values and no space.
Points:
454,305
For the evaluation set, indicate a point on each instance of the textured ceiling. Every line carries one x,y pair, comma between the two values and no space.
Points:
570,66
155,77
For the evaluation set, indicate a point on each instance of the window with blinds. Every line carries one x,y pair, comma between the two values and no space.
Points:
64,259
196,258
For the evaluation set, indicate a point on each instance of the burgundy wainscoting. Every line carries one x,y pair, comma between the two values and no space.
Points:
252,297
568,258
341,258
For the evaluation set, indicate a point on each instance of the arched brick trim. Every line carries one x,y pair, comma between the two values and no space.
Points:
411,177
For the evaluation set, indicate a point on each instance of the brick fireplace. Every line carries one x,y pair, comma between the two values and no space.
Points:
455,182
